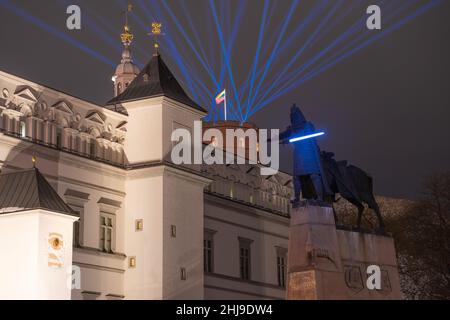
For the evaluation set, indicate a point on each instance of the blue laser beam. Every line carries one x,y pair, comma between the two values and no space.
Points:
258,49
290,78
310,17
224,51
305,46
39,23
274,51
174,53
381,34
195,33
349,33
366,32
255,92
186,37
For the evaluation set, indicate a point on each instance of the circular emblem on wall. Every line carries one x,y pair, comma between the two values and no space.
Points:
55,250
56,244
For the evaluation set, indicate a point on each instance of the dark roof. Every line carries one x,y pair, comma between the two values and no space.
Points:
27,190
154,80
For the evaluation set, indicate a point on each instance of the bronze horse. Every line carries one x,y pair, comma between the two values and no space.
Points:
352,183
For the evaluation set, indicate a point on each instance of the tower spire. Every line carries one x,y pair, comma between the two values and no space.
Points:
126,71
127,37
156,32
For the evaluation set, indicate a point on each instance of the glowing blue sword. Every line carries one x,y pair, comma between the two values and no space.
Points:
309,136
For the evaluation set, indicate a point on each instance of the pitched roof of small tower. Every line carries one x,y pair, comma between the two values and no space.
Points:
28,190
155,80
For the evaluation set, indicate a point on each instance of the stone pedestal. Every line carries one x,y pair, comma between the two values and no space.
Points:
326,263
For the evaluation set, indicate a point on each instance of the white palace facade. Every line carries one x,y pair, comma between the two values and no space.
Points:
147,229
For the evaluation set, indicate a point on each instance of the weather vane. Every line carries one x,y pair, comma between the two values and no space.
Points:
127,37
156,32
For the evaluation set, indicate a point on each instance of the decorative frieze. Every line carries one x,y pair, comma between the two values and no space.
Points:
60,122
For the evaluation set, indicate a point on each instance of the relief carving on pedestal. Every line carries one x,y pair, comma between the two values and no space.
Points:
353,278
317,252
385,281
302,286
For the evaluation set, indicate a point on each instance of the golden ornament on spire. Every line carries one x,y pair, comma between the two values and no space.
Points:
127,37
34,160
156,32
156,28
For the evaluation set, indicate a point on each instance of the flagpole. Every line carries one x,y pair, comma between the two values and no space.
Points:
225,105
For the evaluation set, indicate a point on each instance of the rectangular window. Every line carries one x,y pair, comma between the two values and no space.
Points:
13,126
77,232
245,258
35,124
58,138
281,266
107,226
23,132
78,226
208,251
41,131
92,148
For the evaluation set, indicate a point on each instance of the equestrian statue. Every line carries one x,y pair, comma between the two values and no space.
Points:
318,177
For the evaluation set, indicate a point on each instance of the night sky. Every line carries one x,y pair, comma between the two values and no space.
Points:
385,109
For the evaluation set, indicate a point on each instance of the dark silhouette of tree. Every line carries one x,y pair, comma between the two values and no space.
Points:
422,237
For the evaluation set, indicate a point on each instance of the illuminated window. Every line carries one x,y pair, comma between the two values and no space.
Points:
107,226
245,258
77,200
77,226
92,148
208,251
139,225
23,131
281,266
58,138
132,262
